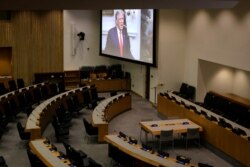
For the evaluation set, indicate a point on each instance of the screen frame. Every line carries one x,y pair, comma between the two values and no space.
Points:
154,55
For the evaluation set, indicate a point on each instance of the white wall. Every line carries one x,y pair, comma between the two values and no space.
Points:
184,38
170,51
219,36
86,21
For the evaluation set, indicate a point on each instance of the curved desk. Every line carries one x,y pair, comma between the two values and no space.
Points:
42,115
38,120
145,158
222,138
105,111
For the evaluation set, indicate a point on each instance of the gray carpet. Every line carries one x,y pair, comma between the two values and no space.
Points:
13,149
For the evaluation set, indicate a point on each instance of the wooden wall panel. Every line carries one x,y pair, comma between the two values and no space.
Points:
5,33
36,41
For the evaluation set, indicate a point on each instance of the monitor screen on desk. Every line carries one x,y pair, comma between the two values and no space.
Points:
128,34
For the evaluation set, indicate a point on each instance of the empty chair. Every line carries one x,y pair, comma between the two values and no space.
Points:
22,134
53,89
12,85
190,93
10,108
144,131
77,156
2,162
21,102
28,101
45,92
93,163
34,160
183,90
166,136
192,134
72,106
2,89
37,95
20,83
93,96
91,132
86,97
60,132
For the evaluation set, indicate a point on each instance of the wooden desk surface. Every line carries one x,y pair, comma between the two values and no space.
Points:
98,114
50,158
138,153
178,126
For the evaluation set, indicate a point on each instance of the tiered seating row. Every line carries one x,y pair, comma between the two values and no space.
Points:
229,106
222,137
43,114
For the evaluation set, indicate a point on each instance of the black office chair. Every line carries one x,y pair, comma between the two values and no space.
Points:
53,89
34,160
22,134
12,85
91,132
3,162
86,97
20,83
3,90
93,163
61,133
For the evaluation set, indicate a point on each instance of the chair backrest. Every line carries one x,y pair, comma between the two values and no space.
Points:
93,163
67,148
193,133
2,89
90,130
23,135
20,83
2,161
166,135
86,96
12,85
183,88
34,160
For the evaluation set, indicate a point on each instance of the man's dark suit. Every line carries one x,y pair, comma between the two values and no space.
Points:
112,44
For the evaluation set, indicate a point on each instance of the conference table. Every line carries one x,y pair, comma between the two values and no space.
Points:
178,126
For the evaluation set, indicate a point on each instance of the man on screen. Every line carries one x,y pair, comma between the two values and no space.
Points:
118,43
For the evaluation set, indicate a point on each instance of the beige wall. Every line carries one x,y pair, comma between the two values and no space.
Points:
222,37
86,52
183,38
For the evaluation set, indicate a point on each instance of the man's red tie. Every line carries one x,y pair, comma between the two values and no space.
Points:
121,44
